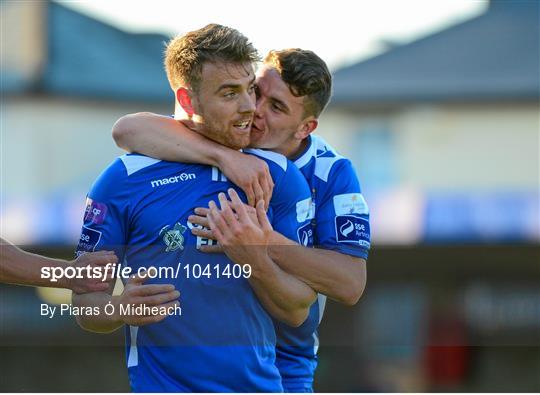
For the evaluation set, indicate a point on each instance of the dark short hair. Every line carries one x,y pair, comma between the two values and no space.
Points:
185,55
306,74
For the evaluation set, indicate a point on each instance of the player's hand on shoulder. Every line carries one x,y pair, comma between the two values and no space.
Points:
136,293
249,173
93,259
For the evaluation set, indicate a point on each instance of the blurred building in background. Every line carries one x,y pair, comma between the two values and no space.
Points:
445,130
66,78
444,133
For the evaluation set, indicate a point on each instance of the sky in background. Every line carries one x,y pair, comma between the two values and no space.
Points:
340,31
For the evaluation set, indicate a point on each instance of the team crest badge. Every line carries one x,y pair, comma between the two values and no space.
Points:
173,238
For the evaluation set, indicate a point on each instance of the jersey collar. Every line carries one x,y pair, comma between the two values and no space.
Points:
308,153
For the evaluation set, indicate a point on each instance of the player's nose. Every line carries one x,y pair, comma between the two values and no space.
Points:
259,109
247,104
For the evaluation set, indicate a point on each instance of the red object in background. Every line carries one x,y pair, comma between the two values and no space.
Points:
447,354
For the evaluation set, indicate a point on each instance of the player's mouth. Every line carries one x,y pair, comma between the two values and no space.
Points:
243,126
256,129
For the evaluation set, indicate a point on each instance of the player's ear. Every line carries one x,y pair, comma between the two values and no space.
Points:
184,99
307,126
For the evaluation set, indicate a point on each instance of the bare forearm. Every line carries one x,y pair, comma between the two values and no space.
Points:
102,322
165,138
339,276
284,296
23,268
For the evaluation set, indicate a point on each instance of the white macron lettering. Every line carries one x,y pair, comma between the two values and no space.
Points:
172,180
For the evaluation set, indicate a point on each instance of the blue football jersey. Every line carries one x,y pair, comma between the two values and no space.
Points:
341,223
223,340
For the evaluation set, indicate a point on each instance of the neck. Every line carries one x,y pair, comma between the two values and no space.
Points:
180,115
294,150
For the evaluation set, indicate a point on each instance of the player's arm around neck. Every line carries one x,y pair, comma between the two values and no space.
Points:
339,276
168,139
165,138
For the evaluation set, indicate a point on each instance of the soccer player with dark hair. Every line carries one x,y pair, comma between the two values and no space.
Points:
224,339
293,88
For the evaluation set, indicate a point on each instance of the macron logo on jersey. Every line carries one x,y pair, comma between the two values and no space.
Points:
173,180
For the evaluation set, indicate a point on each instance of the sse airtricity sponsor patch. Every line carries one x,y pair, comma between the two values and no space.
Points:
352,229
350,203
88,240
305,235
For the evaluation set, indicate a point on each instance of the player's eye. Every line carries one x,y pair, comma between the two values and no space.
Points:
229,94
276,108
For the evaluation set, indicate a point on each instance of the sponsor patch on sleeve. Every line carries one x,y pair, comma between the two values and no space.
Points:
350,203
305,210
352,229
95,212
88,240
305,235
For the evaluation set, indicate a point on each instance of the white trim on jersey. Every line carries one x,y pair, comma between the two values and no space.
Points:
310,153
322,305
217,175
316,343
323,166
321,299
134,163
279,159
133,358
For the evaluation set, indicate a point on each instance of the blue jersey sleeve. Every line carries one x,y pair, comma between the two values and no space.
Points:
342,217
292,206
106,215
